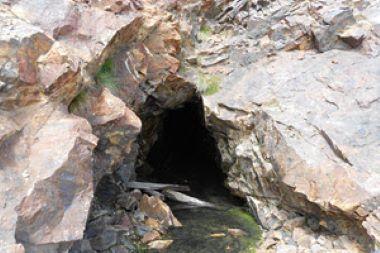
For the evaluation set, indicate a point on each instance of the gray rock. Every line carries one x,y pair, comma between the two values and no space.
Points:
105,240
293,223
336,20
353,36
294,147
286,249
313,223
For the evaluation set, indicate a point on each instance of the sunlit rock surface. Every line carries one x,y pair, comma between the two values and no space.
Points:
291,93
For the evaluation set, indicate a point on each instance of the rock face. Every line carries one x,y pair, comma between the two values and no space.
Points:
49,50
51,190
305,139
291,93
298,131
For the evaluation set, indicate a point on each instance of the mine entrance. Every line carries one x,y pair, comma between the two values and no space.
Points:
185,153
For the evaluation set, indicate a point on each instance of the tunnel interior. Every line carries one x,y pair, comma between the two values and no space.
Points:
186,153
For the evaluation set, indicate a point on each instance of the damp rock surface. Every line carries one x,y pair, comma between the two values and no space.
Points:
207,230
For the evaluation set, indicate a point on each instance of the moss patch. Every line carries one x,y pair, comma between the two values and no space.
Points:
243,217
77,101
205,32
208,84
200,224
105,76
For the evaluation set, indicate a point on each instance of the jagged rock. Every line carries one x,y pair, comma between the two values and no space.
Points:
155,208
51,189
236,232
105,240
160,244
266,216
372,224
150,236
335,20
48,59
280,143
295,132
286,249
303,238
293,223
21,45
353,36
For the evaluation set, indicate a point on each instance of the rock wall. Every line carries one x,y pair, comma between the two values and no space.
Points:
291,94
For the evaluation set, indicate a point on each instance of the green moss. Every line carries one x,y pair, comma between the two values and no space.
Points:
205,32
208,84
77,101
200,224
105,76
250,225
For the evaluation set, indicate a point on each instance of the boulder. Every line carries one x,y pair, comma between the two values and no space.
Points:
47,152
155,208
50,188
305,130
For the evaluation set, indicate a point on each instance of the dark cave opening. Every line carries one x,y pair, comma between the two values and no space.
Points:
186,153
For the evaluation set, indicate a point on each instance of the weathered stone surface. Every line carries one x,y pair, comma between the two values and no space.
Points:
160,244
294,133
154,207
48,151
372,224
20,44
50,189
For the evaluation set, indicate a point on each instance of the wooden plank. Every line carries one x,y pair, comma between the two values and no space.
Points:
157,186
183,198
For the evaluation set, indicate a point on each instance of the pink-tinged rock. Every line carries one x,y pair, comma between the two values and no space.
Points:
20,46
160,244
311,133
106,108
80,37
117,127
46,178
154,207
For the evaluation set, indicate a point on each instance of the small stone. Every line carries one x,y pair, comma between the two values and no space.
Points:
126,222
339,16
155,208
349,245
105,240
236,232
192,59
218,235
152,223
275,234
160,244
150,236
303,237
127,201
142,230
268,243
353,36
213,60
286,249
325,241
293,223
119,249
313,223
316,248
303,250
